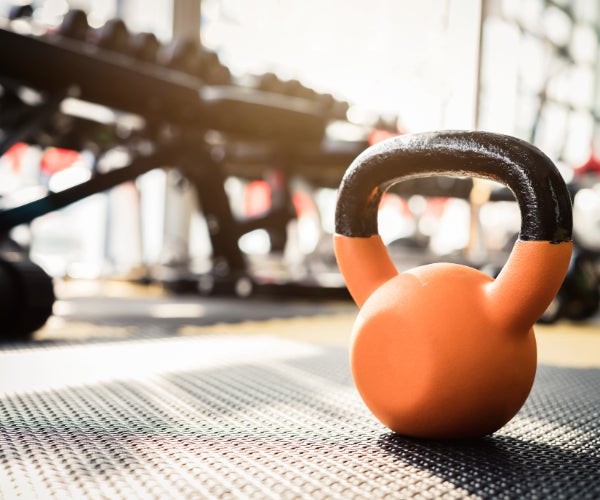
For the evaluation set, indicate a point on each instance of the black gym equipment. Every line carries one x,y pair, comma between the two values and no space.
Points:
26,294
177,108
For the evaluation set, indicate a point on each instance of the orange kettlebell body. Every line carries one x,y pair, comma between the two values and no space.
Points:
444,350
426,365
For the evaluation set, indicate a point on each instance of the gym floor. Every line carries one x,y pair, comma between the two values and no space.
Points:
130,392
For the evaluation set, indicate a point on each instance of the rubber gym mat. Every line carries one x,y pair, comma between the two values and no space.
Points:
220,416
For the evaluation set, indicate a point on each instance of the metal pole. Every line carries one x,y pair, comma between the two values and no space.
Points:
480,193
483,10
186,19
178,205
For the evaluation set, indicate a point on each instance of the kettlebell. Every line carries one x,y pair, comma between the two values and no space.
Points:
444,351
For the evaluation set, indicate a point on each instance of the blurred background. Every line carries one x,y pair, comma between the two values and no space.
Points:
379,68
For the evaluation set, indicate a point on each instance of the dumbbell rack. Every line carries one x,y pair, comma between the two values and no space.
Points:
261,126
271,123
57,67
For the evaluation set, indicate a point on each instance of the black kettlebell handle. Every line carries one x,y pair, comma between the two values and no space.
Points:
539,189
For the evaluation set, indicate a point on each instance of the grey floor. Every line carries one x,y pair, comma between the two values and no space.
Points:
129,407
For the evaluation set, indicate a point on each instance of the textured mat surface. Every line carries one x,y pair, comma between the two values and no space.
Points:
261,417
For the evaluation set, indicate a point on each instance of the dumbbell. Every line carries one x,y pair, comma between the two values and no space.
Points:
187,56
295,88
579,296
305,92
333,107
75,25
269,82
20,12
212,71
182,54
113,36
339,110
325,102
144,47
26,296
387,123
217,75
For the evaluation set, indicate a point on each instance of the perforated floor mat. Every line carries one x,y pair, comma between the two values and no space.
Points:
260,417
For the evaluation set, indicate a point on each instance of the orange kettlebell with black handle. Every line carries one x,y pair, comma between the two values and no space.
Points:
444,350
